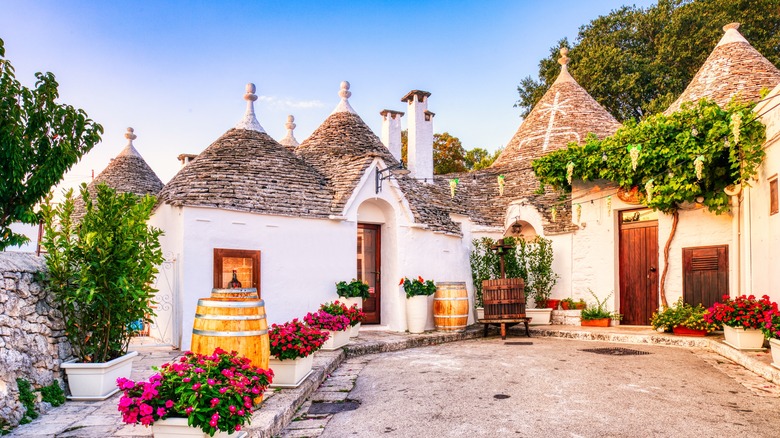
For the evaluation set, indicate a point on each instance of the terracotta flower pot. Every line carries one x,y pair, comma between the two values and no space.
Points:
601,322
685,331
565,305
553,304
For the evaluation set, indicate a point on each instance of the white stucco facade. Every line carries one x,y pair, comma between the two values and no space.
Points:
303,258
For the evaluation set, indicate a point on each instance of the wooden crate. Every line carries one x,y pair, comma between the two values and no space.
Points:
504,298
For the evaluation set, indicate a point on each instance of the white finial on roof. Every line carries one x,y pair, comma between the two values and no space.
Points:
289,140
564,76
344,106
129,149
249,122
732,35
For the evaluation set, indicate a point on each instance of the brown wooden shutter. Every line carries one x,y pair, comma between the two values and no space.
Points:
773,205
705,274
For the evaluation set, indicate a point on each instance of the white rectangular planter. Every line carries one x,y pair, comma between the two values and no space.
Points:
743,339
178,428
97,381
355,330
290,373
539,316
775,345
336,340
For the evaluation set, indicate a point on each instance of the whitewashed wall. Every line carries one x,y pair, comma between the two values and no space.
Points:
761,245
595,246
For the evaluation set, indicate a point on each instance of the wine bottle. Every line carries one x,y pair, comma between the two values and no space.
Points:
234,283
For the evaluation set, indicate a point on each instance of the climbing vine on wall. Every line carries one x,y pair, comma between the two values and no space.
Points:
723,144
689,156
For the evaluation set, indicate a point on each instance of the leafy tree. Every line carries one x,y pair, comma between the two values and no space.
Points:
692,155
101,270
635,61
40,140
449,155
478,158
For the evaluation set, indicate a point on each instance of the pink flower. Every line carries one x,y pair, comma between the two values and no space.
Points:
213,423
196,387
211,382
146,409
189,410
169,404
161,412
232,408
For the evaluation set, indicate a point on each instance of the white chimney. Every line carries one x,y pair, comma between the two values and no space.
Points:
391,131
420,149
185,159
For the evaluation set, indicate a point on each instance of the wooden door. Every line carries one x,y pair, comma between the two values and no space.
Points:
638,266
705,274
369,268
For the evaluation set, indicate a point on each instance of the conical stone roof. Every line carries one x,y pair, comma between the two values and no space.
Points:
129,173
343,147
247,170
733,68
566,113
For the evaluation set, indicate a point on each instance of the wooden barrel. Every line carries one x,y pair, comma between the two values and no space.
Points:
504,298
246,293
451,306
232,324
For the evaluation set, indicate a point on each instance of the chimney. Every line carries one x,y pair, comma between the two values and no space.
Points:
391,131
186,159
420,150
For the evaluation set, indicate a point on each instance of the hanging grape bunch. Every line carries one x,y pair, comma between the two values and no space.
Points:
569,171
698,165
633,152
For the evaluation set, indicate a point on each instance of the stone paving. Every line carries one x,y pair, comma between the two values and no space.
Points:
332,381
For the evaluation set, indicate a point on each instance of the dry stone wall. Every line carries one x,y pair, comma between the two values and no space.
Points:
32,337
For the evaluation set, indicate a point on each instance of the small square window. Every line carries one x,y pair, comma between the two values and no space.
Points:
773,205
244,263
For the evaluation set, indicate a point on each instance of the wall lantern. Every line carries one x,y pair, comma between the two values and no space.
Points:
388,172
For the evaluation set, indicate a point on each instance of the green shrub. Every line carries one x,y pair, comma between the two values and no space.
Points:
53,394
599,310
682,314
27,398
101,269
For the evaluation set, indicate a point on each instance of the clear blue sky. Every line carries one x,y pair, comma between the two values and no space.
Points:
175,71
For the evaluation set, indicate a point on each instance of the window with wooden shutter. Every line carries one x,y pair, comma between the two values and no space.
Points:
773,206
705,274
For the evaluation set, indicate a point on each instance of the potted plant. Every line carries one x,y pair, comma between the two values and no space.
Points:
417,293
742,318
292,348
597,315
552,303
771,329
101,269
581,304
567,303
214,393
683,320
356,316
353,292
337,326
541,279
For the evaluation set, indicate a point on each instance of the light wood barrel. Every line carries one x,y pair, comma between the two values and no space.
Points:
246,293
232,324
451,306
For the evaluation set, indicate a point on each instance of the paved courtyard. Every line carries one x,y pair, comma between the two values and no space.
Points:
550,387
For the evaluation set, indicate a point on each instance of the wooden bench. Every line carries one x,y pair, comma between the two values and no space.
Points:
504,324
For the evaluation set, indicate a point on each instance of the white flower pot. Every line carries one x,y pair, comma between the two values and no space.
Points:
416,313
336,340
97,381
290,373
349,302
539,316
355,330
743,339
178,428
775,345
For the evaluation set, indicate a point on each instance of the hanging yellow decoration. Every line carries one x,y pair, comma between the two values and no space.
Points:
501,182
569,171
453,183
633,151
698,165
579,212
609,205
649,189
736,123
554,214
